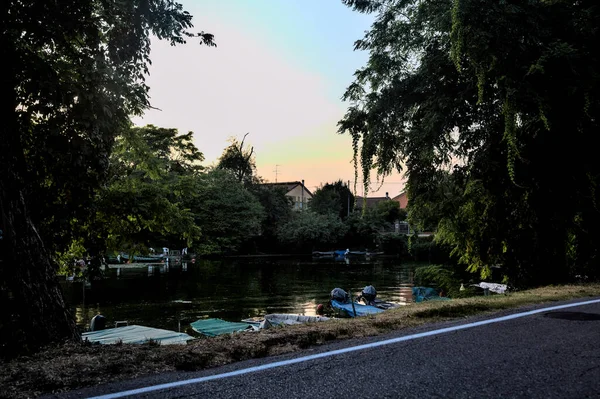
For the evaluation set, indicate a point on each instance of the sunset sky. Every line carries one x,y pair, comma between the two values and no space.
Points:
278,73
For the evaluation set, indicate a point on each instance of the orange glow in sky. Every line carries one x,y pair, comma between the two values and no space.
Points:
278,73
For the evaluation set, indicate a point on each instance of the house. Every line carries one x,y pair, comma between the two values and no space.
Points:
402,198
296,190
371,201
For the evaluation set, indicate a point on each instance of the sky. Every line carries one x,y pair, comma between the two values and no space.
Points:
278,73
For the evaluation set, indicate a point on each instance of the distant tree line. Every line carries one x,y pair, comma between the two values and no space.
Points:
158,195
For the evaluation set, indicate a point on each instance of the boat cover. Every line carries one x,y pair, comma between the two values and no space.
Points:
422,294
361,310
214,327
497,288
136,335
273,320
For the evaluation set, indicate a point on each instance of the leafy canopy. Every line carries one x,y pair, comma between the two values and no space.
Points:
335,198
490,108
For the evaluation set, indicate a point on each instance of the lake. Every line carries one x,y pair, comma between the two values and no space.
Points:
172,297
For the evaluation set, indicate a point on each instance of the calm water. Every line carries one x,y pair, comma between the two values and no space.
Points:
230,289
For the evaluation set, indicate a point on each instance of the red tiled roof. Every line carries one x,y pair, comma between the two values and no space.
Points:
371,201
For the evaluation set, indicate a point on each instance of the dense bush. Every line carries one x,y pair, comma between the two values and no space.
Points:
425,249
393,244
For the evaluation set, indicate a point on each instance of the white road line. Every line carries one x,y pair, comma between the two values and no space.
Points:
337,352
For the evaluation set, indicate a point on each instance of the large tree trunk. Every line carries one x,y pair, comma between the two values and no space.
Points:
32,308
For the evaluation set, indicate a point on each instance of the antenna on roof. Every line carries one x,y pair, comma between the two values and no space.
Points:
276,172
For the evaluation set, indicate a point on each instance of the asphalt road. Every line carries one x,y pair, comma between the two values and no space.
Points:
547,355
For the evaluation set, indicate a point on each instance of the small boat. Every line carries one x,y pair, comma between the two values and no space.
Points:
255,321
134,265
318,254
214,327
136,335
343,253
354,309
274,320
493,287
378,303
139,258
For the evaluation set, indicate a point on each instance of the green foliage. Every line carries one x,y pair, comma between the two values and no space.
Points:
390,211
278,211
66,260
226,211
438,200
308,230
440,277
393,244
444,278
76,76
153,172
73,75
363,229
488,106
335,198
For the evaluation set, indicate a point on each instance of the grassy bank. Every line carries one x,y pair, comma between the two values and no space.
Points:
72,366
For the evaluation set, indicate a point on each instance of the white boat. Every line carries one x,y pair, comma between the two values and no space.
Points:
274,320
136,335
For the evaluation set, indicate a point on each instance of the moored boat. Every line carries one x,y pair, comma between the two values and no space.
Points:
353,309
274,320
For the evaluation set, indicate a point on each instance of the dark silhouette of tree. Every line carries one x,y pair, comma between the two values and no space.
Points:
238,160
73,73
504,96
335,198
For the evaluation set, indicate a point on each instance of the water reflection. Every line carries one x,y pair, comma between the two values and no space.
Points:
169,296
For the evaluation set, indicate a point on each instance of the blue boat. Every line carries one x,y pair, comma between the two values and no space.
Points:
357,253
355,309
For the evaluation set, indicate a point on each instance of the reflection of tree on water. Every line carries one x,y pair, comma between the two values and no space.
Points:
233,290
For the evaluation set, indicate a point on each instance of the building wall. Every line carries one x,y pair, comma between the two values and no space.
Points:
402,199
296,195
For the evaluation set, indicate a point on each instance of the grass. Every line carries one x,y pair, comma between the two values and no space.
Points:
72,366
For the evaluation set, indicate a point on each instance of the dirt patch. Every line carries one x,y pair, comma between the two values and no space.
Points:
72,366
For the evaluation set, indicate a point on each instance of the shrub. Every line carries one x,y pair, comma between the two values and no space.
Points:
393,244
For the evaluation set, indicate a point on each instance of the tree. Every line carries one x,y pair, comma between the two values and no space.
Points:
152,173
73,75
238,160
308,230
226,212
278,210
496,92
363,229
333,198
390,211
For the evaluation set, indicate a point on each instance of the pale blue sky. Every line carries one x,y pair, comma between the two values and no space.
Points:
279,71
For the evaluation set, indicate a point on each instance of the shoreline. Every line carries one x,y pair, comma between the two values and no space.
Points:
75,365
